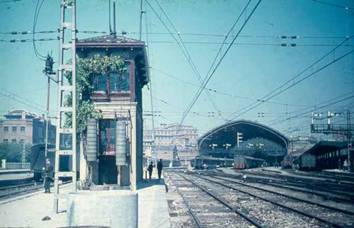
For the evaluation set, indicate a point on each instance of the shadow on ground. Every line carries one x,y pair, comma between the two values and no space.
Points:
149,183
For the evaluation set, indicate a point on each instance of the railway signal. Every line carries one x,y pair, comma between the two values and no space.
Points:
239,138
331,128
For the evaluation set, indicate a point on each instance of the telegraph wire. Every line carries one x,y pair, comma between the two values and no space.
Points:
21,100
28,40
281,37
35,19
207,79
333,4
282,45
48,32
9,1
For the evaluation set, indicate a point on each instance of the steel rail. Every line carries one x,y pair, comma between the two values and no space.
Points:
335,189
274,202
193,215
220,200
32,188
335,178
301,188
331,182
288,196
16,186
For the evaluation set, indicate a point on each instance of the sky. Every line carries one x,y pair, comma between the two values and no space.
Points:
259,61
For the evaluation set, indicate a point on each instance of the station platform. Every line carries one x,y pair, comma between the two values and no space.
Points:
7,179
12,171
36,209
15,176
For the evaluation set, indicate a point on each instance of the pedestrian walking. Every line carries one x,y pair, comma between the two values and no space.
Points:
159,168
47,176
150,168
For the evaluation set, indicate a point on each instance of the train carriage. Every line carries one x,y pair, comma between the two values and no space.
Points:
247,162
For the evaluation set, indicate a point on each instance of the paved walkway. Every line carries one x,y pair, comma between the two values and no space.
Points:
32,210
153,208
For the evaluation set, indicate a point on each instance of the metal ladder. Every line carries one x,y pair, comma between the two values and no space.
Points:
66,135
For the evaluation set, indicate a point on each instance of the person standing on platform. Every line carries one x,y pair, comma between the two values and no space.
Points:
159,168
150,168
47,176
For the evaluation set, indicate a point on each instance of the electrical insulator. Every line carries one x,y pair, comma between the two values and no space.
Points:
48,65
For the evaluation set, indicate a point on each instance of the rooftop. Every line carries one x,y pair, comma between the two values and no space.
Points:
20,114
110,41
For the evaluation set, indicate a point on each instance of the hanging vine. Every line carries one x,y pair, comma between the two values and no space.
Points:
86,68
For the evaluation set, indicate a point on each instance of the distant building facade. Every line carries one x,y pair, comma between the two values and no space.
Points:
166,137
20,126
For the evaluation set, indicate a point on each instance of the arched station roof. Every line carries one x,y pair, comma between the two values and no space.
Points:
227,133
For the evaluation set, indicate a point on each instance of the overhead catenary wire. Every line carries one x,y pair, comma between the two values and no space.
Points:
207,79
183,48
297,82
163,73
291,83
317,107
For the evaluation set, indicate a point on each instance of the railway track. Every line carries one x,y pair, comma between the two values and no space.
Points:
21,189
328,187
208,209
330,181
261,213
349,210
328,175
330,216
325,194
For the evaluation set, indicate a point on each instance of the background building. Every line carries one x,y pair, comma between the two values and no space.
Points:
20,126
167,136
244,138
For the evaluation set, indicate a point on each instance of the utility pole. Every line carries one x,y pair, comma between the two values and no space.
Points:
239,138
141,19
66,133
48,70
349,141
